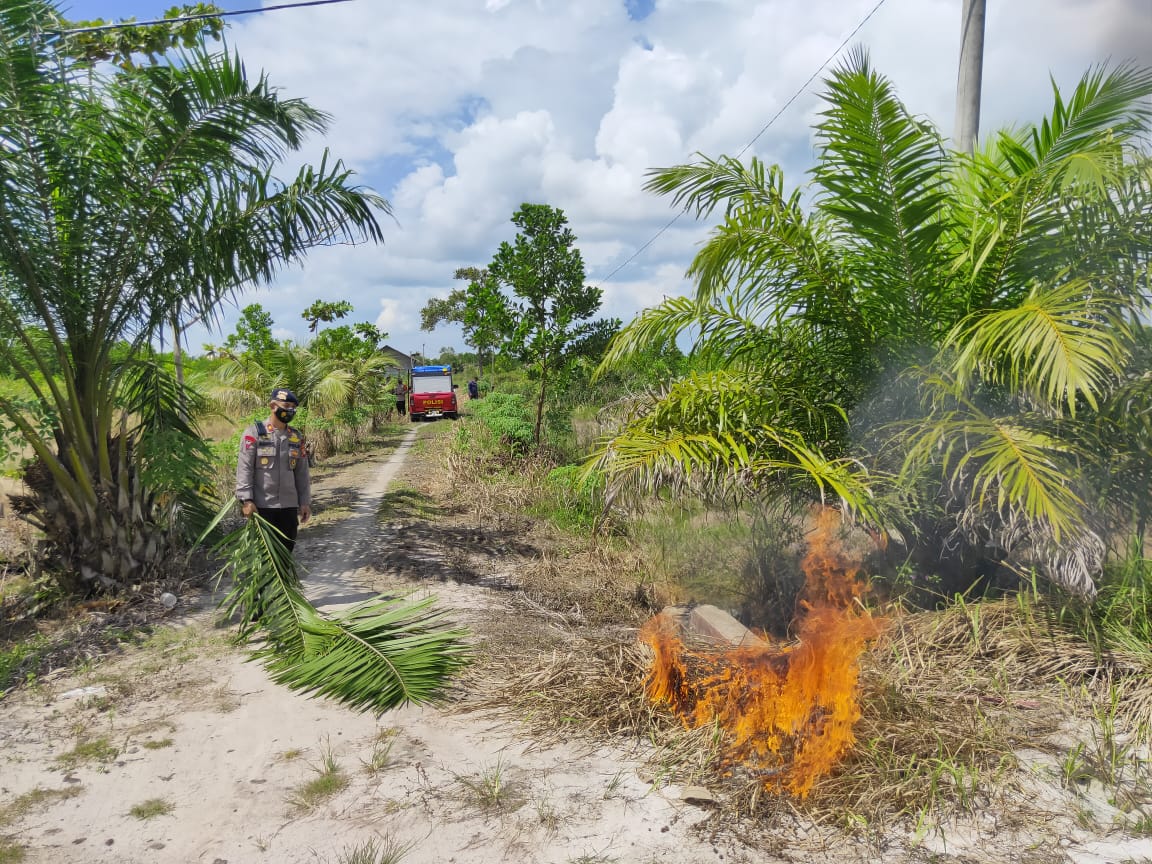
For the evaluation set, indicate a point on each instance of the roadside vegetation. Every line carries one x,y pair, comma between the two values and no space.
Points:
949,349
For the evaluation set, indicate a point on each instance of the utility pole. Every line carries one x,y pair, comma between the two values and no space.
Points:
968,79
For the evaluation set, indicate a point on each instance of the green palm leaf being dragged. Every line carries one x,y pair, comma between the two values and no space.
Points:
375,656
379,655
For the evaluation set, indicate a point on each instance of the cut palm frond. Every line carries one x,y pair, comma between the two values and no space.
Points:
375,656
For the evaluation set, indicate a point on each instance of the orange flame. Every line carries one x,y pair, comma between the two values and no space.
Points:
788,709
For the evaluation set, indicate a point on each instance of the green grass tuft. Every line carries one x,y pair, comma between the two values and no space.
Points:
94,750
329,781
151,808
375,852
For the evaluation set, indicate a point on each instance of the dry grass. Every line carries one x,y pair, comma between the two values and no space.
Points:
947,698
594,584
35,800
593,691
578,579
950,697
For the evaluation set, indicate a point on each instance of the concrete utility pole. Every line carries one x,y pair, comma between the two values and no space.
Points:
968,80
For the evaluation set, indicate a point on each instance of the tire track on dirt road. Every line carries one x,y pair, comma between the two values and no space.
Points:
333,577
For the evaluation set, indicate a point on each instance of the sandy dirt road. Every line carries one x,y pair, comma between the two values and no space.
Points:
184,726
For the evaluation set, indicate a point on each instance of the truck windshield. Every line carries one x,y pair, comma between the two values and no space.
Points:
431,384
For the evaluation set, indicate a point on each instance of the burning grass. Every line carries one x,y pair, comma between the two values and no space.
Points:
788,711
945,706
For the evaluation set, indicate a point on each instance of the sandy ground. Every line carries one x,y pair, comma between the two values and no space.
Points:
185,721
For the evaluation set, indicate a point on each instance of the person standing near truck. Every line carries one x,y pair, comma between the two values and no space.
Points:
272,476
473,389
401,393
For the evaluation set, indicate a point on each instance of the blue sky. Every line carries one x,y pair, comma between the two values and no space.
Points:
458,111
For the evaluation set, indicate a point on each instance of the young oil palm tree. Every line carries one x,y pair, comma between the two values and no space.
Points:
1006,277
125,194
332,390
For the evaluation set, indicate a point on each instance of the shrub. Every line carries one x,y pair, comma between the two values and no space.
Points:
508,418
577,497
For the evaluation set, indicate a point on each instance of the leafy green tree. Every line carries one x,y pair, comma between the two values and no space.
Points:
122,44
975,306
253,335
326,311
348,342
546,310
124,194
469,307
449,309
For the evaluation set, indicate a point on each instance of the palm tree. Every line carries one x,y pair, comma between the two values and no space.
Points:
988,284
334,391
126,195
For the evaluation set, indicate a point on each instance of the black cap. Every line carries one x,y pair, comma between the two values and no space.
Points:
282,395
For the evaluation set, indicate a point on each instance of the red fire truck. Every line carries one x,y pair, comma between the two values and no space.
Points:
431,393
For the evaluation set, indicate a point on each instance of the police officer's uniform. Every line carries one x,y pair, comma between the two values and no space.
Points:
272,471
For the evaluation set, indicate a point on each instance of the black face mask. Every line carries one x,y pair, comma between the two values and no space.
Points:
284,415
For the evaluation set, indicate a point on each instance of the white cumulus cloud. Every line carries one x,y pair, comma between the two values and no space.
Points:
458,111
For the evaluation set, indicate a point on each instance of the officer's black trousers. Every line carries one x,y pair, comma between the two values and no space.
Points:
285,519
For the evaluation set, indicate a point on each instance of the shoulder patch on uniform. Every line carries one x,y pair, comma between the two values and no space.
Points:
248,442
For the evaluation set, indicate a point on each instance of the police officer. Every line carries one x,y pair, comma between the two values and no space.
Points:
272,471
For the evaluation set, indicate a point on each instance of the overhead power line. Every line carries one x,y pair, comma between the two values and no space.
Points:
757,136
124,24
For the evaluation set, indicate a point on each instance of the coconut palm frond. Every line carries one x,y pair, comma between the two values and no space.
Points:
1081,139
848,480
1063,344
704,185
332,386
1035,186
725,430
175,462
765,242
743,462
739,398
375,656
